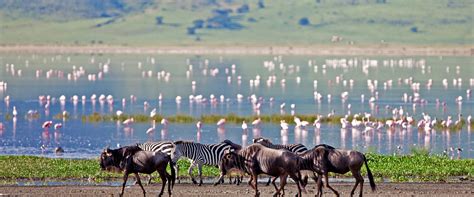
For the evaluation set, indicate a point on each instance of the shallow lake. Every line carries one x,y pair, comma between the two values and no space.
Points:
437,86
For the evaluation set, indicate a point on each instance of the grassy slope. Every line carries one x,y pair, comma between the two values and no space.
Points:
417,167
277,24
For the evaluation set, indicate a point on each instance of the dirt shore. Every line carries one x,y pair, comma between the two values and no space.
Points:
383,189
385,50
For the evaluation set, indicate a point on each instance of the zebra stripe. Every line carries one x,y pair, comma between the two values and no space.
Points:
207,154
163,146
201,154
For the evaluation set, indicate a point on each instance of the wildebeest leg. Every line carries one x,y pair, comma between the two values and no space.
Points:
282,184
190,171
125,177
255,178
274,185
140,183
297,180
359,180
164,176
326,180
200,173
319,185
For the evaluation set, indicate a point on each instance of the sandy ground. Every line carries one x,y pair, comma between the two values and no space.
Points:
383,189
386,50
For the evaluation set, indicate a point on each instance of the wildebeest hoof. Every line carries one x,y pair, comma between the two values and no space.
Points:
194,181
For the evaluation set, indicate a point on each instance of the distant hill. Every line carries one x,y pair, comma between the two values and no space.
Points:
237,22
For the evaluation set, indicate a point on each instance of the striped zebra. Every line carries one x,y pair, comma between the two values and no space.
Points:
295,148
162,146
202,154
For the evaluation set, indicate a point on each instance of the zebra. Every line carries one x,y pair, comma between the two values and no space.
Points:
202,154
162,146
295,148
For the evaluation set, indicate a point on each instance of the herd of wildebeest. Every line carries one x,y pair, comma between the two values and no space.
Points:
261,157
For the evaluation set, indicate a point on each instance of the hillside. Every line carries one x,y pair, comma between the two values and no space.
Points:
232,22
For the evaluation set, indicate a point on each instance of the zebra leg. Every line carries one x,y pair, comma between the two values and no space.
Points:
200,173
149,179
190,172
177,172
269,181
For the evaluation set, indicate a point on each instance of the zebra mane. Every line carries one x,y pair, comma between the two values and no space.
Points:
183,142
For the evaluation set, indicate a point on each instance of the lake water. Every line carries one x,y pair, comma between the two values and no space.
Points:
431,86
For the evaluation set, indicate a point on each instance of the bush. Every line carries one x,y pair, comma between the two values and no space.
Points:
303,21
243,9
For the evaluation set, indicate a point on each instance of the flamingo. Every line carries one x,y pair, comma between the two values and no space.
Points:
199,125
244,125
256,122
150,130
47,124
153,113
297,121
128,121
119,113
221,122
164,122
14,111
345,123
58,126
283,125
317,122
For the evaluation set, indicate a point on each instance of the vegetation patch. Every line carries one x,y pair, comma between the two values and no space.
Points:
418,166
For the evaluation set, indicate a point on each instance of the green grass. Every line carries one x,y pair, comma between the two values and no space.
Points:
439,22
416,167
235,119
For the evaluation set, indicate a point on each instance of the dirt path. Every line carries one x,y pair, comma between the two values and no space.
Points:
383,189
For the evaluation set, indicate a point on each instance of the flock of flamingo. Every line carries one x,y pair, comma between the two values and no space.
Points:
279,73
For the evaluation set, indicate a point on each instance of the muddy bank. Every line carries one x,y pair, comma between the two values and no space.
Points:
383,189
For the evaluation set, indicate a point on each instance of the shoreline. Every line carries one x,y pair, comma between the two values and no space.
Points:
328,50
383,189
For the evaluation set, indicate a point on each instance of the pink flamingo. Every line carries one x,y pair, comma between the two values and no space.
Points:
221,122
47,124
58,126
128,121
199,125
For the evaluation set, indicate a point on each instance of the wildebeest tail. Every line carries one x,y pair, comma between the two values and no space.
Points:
369,174
173,171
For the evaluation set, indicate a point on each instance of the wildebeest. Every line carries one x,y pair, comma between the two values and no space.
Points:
257,159
162,146
295,148
323,159
132,159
